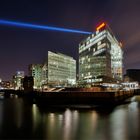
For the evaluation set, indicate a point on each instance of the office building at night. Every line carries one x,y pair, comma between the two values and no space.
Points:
61,70
39,74
100,57
18,80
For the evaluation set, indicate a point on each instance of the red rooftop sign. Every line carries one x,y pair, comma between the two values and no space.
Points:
100,26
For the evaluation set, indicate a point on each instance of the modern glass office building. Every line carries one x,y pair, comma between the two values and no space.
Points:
61,70
17,80
100,57
39,73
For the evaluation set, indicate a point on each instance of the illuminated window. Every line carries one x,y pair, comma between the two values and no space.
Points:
88,42
88,49
99,43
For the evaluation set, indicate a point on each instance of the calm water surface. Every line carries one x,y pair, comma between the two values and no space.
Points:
21,120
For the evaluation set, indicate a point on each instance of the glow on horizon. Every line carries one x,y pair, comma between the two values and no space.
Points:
42,27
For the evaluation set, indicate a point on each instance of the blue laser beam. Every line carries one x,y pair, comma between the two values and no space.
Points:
42,27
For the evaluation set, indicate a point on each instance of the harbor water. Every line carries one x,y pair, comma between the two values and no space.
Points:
20,119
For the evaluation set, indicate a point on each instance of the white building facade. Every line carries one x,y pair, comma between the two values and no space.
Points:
61,70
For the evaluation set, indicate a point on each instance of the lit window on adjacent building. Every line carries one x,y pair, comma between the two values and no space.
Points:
88,66
88,49
99,43
92,35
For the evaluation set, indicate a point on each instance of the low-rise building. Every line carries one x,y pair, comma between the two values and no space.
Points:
61,70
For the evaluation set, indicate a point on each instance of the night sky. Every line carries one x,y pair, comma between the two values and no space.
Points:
21,46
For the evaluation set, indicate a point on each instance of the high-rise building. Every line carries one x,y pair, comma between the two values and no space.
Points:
39,73
100,57
17,80
44,78
61,69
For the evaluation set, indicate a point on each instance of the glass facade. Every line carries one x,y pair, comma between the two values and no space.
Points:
100,57
17,80
39,73
61,70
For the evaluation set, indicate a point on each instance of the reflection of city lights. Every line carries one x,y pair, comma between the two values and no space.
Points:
52,115
134,115
75,116
94,116
133,99
133,105
34,112
68,118
75,121
51,125
34,109
52,119
118,124
67,122
60,117
35,115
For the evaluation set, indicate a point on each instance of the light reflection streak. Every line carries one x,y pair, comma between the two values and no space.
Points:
75,122
94,118
51,126
67,124
35,116
52,120
133,117
60,119
89,125
119,125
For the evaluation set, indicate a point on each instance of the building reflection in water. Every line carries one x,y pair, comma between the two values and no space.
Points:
118,124
35,117
87,125
76,124
22,120
51,125
18,113
133,120
67,124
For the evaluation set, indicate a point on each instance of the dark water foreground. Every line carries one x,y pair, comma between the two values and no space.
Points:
21,120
